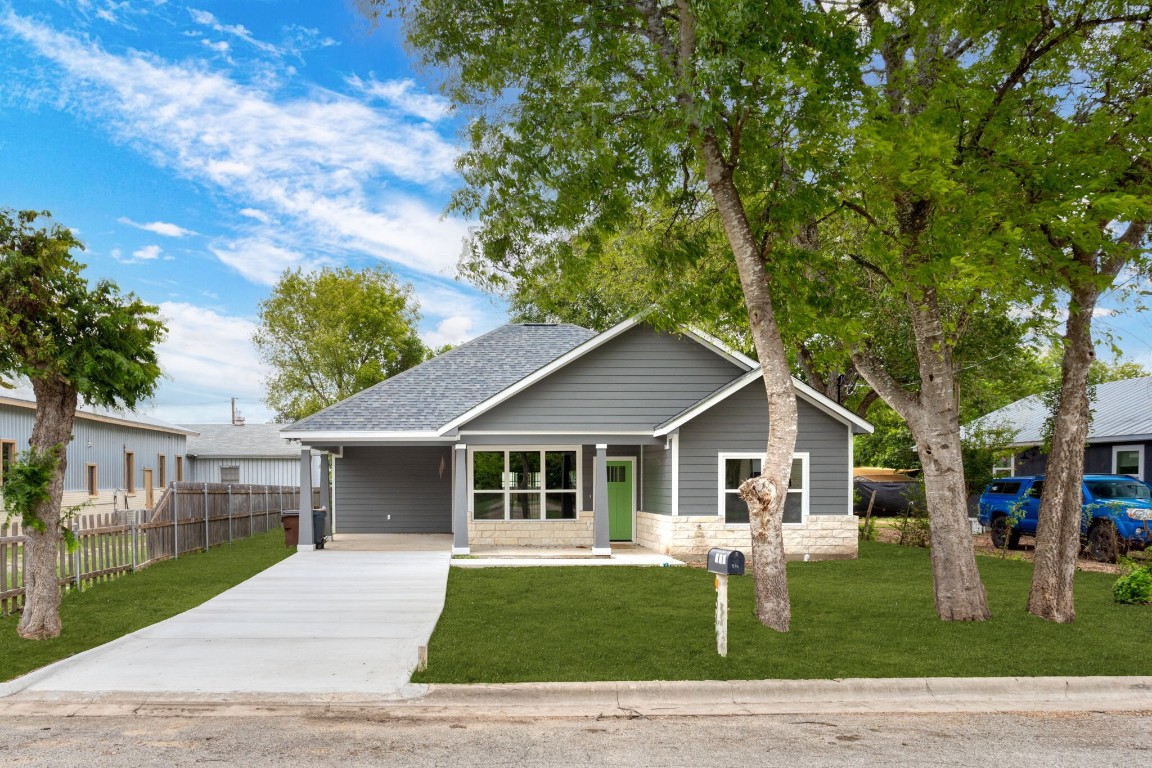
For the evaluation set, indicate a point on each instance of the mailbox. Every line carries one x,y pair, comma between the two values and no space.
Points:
726,562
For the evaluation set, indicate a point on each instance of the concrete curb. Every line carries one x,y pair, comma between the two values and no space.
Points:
629,699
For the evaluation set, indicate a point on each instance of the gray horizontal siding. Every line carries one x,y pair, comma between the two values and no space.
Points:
406,483
657,481
740,423
633,382
102,444
589,466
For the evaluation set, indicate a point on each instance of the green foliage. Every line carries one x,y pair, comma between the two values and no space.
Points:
982,447
330,334
1134,587
26,484
891,445
54,325
914,527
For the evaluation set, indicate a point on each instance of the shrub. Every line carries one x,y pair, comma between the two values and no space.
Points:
1134,587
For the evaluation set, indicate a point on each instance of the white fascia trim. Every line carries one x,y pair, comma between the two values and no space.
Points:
528,381
803,391
720,348
554,432
346,437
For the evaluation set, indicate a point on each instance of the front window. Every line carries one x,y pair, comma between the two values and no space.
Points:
230,473
735,468
524,485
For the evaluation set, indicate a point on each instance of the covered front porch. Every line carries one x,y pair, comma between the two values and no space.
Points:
496,495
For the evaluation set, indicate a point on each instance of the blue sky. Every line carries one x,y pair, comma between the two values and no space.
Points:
199,149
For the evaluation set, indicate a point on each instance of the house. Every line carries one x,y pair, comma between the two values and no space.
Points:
117,458
553,435
239,452
1119,435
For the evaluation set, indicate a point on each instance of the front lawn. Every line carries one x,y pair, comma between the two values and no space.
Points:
871,617
107,611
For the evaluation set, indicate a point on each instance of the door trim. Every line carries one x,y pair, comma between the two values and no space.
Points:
632,474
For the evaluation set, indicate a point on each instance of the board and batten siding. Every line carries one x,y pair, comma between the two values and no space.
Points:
631,383
253,471
740,423
412,484
103,444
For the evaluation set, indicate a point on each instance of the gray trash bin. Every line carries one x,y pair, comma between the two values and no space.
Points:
319,523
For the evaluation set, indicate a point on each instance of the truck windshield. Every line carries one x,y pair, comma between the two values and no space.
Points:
1118,489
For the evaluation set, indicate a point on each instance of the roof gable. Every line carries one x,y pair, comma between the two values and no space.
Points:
240,441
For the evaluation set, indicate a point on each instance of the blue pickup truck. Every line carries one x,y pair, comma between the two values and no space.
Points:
1117,513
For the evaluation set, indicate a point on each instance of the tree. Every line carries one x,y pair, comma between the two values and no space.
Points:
702,120
933,224
330,334
70,340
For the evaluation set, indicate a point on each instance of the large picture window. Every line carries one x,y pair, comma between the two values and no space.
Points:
524,484
735,468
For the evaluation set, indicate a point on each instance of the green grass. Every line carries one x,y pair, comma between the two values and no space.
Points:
109,610
871,617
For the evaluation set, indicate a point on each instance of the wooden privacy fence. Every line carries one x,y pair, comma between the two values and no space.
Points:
188,517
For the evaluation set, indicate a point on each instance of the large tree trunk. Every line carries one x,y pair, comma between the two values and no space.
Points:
767,493
55,411
932,416
1058,524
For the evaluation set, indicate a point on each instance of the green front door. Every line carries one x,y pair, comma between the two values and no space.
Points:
620,500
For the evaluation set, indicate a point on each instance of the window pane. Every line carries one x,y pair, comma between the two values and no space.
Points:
524,506
560,470
488,506
735,509
736,471
488,470
560,506
792,508
1127,462
524,470
796,480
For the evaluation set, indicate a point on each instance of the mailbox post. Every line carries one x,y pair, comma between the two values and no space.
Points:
724,563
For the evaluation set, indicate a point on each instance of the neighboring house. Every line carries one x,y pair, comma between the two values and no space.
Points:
1119,436
247,454
553,435
115,455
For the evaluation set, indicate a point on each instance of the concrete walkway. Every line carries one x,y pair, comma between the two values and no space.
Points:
318,623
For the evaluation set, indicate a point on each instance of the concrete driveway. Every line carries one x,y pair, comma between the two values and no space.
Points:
325,622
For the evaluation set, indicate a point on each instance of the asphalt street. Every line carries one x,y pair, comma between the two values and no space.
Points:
1050,739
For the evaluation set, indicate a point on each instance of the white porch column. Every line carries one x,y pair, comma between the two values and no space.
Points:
326,487
460,500
306,538
600,542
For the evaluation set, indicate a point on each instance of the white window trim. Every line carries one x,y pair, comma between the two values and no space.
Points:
1011,468
471,490
805,490
1140,463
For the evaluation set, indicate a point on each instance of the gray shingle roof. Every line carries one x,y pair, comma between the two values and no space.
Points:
1122,410
247,441
428,396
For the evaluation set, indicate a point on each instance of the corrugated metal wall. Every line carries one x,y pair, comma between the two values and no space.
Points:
102,444
254,471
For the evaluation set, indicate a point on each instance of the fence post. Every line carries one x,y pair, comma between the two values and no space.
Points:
229,514
266,529
207,540
176,523
251,532
75,559
134,536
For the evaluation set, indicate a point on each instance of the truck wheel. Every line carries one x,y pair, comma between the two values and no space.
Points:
1103,545
999,530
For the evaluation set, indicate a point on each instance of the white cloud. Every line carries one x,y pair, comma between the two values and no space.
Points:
158,227
259,260
323,164
207,19
404,96
451,330
209,352
147,253
253,213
